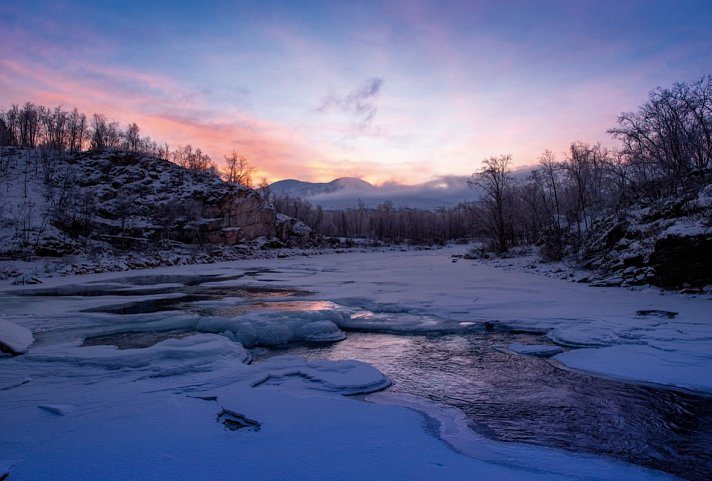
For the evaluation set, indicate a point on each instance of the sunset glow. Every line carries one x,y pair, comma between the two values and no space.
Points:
386,91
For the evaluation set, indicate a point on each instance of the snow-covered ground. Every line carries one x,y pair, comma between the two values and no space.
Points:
191,408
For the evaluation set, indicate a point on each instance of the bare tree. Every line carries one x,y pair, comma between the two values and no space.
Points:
98,135
496,182
132,137
238,170
671,134
77,130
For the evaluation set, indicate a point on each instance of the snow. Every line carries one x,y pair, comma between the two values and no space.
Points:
687,227
71,411
645,363
188,353
275,327
15,338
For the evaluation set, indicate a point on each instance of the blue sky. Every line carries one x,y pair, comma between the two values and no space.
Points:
401,91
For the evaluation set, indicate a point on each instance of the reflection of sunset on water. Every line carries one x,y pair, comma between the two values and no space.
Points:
283,306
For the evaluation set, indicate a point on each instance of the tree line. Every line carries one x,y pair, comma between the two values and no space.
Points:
385,223
57,131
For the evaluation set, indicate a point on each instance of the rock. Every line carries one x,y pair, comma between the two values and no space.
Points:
234,421
14,339
612,281
657,313
679,260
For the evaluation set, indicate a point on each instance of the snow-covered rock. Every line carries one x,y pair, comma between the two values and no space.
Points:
13,338
666,243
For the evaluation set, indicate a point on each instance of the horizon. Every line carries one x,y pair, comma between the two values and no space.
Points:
399,93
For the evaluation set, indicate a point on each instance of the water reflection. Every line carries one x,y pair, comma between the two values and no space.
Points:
285,306
510,397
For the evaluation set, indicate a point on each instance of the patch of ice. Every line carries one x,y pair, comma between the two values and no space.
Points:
271,328
344,377
645,363
193,349
543,350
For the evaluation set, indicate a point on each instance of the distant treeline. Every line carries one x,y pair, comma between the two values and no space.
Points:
666,144
384,223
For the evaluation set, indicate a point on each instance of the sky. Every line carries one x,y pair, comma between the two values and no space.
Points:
390,91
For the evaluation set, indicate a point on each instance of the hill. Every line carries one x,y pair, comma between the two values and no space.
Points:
350,192
57,205
298,188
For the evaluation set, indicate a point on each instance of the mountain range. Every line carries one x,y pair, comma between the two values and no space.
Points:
347,192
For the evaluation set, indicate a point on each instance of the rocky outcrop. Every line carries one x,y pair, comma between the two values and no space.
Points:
667,243
292,230
681,261
127,201
241,214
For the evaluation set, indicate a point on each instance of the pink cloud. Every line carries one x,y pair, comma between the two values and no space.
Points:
164,111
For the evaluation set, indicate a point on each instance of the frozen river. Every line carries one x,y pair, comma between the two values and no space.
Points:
533,365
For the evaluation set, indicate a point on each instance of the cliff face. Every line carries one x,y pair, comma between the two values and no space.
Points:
54,205
240,214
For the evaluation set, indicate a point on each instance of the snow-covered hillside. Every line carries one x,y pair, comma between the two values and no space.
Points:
667,242
96,203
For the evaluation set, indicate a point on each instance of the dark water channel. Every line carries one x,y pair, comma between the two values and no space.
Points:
510,397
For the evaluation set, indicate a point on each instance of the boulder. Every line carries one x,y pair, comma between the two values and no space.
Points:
14,339
682,260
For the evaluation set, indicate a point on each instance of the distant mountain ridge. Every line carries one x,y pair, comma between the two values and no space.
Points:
299,188
349,192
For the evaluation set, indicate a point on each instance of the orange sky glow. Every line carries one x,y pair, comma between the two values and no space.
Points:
389,92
